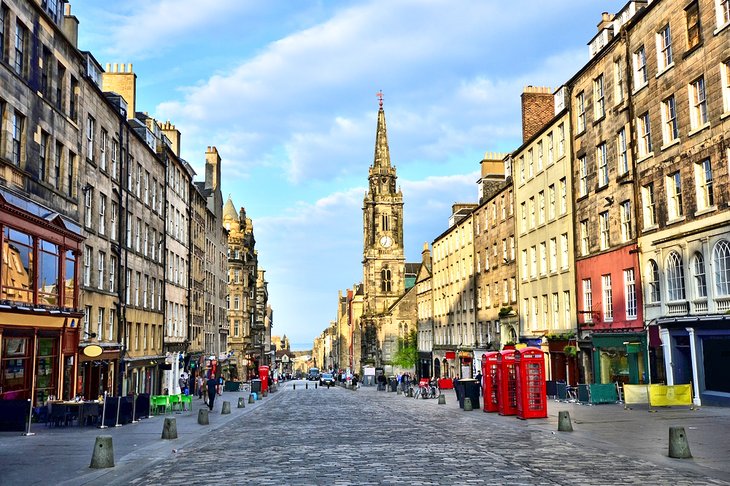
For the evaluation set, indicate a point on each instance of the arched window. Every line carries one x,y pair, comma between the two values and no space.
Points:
385,284
721,261
675,277
652,278
698,269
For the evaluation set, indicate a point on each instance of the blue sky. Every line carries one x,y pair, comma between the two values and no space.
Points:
286,91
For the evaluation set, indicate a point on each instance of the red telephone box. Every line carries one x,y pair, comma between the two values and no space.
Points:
264,377
489,381
531,392
506,383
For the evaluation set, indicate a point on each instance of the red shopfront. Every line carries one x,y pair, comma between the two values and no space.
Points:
39,331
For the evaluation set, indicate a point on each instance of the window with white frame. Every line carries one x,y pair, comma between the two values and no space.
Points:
87,266
626,232
533,261
587,301
647,196
512,247
584,243
88,196
607,299
581,106
555,310
541,207
675,207
602,164
563,195
128,287
101,263
87,321
599,98
643,128
524,265
652,279
725,86
113,156
582,176
102,214
721,268
697,104
110,324
561,139
722,12
664,48
641,77
565,255
670,127
675,277
112,273
553,254
530,164
566,308
630,293
137,288
522,169
551,201
618,80
703,181
532,212
544,304
543,258
698,272
622,152
90,128
603,223
539,155
513,289
102,149
523,217
533,313
550,149
17,128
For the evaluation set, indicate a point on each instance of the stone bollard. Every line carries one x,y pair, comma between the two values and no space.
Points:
203,417
169,428
315,386
226,408
564,424
442,399
678,444
241,402
410,393
306,386
294,386
258,396
265,393
251,398
103,455
467,404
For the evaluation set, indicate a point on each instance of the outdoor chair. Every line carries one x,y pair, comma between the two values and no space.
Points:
187,401
158,402
175,402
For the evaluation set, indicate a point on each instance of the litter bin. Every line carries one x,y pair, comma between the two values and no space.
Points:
393,383
468,388
255,386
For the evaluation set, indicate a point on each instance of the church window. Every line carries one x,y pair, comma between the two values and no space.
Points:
385,222
385,283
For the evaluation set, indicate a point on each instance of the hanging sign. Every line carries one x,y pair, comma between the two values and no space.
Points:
92,350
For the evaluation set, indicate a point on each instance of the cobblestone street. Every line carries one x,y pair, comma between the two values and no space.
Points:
337,436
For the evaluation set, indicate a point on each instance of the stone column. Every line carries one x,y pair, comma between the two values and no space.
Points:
667,347
695,371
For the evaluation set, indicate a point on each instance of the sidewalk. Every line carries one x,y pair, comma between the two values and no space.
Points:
635,431
61,455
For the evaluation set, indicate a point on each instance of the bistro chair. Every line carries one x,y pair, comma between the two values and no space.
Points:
187,401
175,403
159,401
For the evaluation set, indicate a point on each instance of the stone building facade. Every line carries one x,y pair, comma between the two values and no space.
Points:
545,269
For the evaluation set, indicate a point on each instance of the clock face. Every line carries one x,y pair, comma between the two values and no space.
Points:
386,241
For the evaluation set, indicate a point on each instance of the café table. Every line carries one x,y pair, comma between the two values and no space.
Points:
69,410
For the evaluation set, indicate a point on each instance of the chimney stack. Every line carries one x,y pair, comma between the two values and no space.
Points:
121,80
71,26
537,109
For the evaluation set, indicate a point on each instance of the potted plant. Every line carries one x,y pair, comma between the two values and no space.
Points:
570,351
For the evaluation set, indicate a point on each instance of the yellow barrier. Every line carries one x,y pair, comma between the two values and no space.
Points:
666,396
636,394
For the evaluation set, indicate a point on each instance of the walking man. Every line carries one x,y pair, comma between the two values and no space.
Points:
212,385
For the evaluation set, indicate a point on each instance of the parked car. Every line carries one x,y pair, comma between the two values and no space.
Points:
327,379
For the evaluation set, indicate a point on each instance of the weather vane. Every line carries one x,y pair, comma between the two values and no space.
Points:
380,97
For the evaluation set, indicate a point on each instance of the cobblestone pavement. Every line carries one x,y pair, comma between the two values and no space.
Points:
340,437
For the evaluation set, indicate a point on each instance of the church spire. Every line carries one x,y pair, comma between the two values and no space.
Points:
382,153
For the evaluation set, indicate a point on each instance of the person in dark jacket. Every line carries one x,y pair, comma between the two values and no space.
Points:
212,385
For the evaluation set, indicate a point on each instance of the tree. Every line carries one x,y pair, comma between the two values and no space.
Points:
407,354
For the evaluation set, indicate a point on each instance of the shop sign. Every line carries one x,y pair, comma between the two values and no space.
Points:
92,350
450,355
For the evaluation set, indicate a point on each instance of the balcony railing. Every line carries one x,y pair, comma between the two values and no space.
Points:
678,309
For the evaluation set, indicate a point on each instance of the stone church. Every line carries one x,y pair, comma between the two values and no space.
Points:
389,304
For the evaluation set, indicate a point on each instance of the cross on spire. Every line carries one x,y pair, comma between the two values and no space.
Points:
380,97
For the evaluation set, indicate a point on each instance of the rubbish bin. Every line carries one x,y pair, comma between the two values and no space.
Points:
468,388
393,383
255,386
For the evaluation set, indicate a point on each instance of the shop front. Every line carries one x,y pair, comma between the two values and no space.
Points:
143,375
424,368
466,359
620,358
697,350
98,370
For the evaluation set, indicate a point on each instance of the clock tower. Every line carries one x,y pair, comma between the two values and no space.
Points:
383,255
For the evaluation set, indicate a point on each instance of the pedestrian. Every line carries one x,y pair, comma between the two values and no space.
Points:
183,382
478,377
220,386
212,384
201,385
